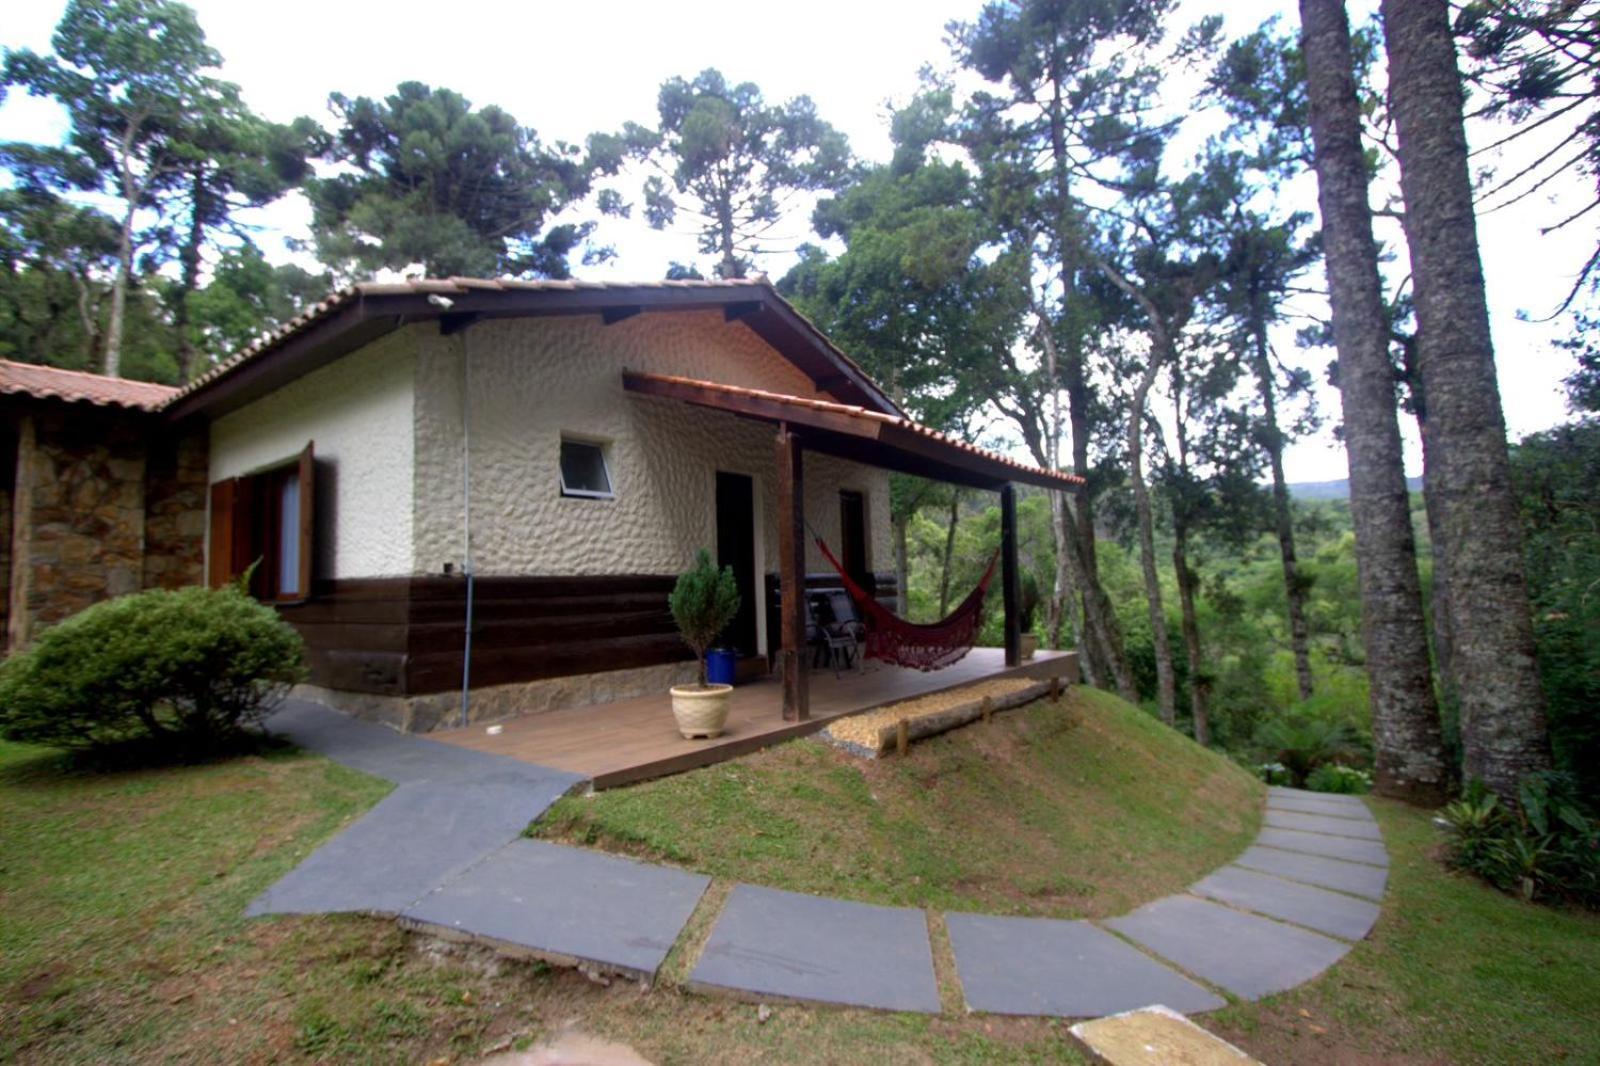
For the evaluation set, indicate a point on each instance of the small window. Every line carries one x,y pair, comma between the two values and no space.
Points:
583,470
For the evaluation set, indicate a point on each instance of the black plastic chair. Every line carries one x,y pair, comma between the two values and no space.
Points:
848,623
829,637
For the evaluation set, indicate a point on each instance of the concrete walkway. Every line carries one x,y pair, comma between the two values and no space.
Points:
444,853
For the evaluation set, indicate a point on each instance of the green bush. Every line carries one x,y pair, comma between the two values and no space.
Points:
703,602
1332,777
1309,735
1547,848
184,667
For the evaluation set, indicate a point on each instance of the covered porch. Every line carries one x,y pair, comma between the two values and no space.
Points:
635,739
890,442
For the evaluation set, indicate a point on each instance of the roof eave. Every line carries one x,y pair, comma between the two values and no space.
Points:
369,312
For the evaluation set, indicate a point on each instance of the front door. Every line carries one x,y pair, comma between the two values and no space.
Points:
736,548
853,537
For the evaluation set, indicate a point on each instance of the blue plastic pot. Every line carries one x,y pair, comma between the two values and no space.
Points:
720,665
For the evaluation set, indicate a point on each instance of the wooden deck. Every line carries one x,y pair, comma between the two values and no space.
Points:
632,740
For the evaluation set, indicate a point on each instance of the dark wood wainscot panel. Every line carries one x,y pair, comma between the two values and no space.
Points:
405,636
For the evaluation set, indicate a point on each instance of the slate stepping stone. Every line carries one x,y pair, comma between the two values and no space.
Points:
418,836
1326,810
1315,908
616,913
1317,823
1061,968
775,943
1354,877
1330,847
1339,798
1247,955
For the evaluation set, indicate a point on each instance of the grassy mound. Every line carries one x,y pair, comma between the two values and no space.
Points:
1080,808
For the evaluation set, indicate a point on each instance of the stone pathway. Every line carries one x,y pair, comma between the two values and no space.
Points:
444,852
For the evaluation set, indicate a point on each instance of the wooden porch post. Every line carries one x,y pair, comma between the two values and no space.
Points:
1008,573
792,575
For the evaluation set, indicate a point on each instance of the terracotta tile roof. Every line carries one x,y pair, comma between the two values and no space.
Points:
849,411
76,386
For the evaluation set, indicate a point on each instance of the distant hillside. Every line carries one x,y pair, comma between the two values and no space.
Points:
1335,490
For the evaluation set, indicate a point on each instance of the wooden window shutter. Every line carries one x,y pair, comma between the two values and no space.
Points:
219,563
308,524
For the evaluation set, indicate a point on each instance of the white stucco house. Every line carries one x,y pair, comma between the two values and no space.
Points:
532,464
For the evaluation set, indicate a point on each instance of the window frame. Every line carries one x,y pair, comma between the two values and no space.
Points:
246,528
600,447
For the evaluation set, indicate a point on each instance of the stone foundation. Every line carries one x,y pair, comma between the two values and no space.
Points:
442,710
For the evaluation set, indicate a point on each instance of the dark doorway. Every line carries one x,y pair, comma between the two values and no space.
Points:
736,547
853,537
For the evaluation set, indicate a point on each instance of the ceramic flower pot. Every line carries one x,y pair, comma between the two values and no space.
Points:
700,711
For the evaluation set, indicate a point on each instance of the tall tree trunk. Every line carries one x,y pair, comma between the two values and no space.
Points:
189,258
1188,580
949,552
1100,623
1199,682
1443,639
1166,682
112,352
1282,514
1442,642
1503,729
88,317
902,566
1410,760
729,267
1098,613
1091,658
1103,654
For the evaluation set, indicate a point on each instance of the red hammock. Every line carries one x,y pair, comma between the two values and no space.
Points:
935,646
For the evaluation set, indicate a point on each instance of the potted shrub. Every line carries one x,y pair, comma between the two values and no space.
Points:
703,602
1028,609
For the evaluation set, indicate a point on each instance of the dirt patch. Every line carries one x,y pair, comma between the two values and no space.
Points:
1283,1033
39,984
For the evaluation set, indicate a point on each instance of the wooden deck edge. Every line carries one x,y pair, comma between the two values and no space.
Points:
1064,665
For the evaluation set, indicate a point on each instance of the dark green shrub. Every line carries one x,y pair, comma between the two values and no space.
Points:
1332,777
703,602
186,667
1308,735
1547,848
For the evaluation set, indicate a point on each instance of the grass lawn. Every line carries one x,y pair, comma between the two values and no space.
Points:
1081,808
121,940
1454,972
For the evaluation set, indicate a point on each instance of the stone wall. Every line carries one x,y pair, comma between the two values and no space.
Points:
101,503
78,515
175,510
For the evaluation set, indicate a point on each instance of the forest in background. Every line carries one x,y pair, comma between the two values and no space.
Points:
1056,255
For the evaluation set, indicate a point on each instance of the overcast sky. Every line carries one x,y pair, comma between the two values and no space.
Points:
569,69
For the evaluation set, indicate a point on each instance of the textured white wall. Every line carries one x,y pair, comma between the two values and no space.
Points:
534,379
359,413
